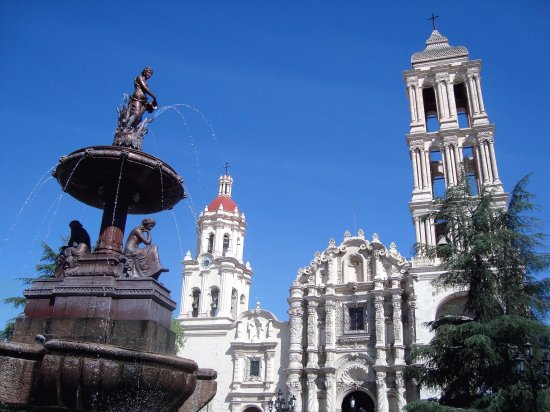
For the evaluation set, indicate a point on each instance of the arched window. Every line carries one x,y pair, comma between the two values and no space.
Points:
430,109
214,293
471,174
196,302
461,101
225,244
243,303
211,243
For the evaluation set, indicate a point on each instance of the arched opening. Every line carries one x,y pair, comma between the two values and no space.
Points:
214,293
437,172
252,409
461,101
225,247
453,305
243,303
356,273
430,109
196,301
471,174
357,402
211,243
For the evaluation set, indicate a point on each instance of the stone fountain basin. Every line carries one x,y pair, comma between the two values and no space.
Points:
93,173
65,375
87,376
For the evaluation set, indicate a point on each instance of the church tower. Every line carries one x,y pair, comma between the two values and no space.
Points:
216,281
450,135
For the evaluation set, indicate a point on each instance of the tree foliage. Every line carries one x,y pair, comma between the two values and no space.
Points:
177,328
491,252
44,269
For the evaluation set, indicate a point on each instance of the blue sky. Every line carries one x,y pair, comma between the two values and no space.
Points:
304,99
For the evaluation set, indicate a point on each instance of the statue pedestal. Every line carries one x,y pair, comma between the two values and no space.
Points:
133,313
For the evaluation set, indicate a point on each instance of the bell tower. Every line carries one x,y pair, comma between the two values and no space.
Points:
450,136
216,281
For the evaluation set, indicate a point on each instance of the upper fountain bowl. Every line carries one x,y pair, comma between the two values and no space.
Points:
94,174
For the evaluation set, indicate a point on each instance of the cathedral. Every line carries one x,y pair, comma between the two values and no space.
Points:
359,307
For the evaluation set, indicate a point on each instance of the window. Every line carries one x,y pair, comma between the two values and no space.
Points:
225,244
234,298
211,243
255,368
214,304
461,101
436,170
470,170
430,109
195,304
356,319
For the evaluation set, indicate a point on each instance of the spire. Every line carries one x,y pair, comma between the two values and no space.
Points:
225,185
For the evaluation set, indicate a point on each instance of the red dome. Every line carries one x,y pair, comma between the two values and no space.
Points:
228,204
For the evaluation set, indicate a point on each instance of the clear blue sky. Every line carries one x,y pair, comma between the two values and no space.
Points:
306,101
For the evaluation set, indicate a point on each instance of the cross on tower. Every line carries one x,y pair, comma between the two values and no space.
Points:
433,20
226,167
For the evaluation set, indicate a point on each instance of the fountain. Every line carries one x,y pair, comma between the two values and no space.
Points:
97,336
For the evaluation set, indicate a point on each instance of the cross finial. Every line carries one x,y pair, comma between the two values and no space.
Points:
433,20
226,167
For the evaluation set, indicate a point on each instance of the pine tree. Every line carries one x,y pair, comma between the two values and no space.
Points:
44,269
491,252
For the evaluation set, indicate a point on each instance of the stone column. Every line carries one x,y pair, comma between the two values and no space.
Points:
312,401
330,324
295,388
414,167
312,333
237,369
381,389
398,327
380,328
412,317
472,95
491,144
400,388
330,382
484,163
412,103
269,359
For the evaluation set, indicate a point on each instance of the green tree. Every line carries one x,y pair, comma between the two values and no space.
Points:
44,269
177,328
491,252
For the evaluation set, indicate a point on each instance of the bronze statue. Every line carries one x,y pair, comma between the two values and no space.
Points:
138,101
131,127
142,262
78,245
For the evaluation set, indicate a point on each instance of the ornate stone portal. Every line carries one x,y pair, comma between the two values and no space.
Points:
349,302
93,338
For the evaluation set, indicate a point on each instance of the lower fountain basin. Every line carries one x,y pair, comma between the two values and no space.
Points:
95,377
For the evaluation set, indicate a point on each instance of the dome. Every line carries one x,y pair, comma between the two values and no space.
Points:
438,48
227,203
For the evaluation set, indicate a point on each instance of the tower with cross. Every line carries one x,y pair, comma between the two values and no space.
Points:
450,139
216,280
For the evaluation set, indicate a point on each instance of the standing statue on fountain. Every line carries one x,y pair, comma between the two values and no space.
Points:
138,101
78,245
131,127
142,262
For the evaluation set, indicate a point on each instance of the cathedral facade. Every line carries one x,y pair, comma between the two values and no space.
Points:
359,307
